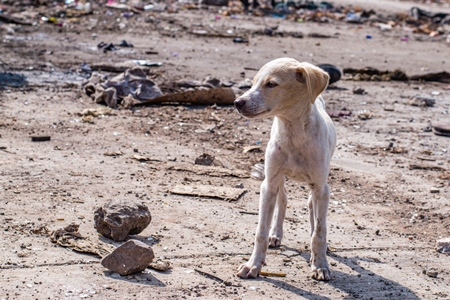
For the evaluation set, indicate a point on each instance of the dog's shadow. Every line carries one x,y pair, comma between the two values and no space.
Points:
365,284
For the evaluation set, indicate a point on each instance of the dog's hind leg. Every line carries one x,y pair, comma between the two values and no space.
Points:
276,229
319,198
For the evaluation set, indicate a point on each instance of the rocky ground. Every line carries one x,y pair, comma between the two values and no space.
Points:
389,178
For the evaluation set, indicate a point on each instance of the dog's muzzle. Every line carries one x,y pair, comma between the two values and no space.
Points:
239,103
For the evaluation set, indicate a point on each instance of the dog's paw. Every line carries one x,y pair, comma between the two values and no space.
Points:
322,274
274,242
248,271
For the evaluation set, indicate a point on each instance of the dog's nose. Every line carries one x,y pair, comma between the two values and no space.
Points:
239,103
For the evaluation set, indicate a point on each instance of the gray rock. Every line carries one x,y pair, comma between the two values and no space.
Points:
117,219
443,245
131,257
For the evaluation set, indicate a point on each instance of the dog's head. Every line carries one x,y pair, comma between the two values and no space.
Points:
282,86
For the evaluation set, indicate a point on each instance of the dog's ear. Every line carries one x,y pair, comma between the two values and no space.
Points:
316,79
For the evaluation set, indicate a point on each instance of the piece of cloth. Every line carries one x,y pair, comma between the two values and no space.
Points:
132,85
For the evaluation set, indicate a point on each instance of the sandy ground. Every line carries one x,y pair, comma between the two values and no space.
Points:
384,218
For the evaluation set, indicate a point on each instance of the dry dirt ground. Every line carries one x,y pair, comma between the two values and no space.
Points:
384,217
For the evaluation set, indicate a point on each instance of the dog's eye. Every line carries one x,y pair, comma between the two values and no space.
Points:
271,84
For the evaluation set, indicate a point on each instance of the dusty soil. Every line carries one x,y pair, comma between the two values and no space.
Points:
384,218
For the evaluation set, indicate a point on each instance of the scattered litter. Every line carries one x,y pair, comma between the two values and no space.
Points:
40,138
70,237
340,114
441,128
431,272
422,101
219,96
364,115
359,91
334,73
12,79
210,191
372,74
443,245
438,77
97,112
258,172
133,82
215,278
240,40
113,153
426,167
204,160
272,274
254,148
143,158
160,265
208,170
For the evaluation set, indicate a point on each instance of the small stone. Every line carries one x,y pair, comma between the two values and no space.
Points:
443,245
117,219
131,257
431,272
204,160
435,190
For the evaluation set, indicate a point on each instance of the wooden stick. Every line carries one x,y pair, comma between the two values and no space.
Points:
272,274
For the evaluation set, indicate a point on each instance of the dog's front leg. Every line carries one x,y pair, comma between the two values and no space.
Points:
266,207
318,204
276,229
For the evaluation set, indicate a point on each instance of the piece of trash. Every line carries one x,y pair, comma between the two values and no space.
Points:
96,112
319,35
422,101
208,170
134,218
113,153
438,77
426,167
240,40
431,272
258,172
372,74
160,265
12,79
368,37
87,119
219,96
148,63
359,91
272,274
209,191
441,128
143,158
251,148
334,73
126,44
204,160
106,47
340,114
70,237
40,138
364,115
132,86
443,245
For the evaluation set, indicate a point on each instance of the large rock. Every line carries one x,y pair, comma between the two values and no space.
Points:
131,257
117,219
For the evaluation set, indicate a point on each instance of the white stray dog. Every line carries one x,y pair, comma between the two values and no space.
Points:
302,142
